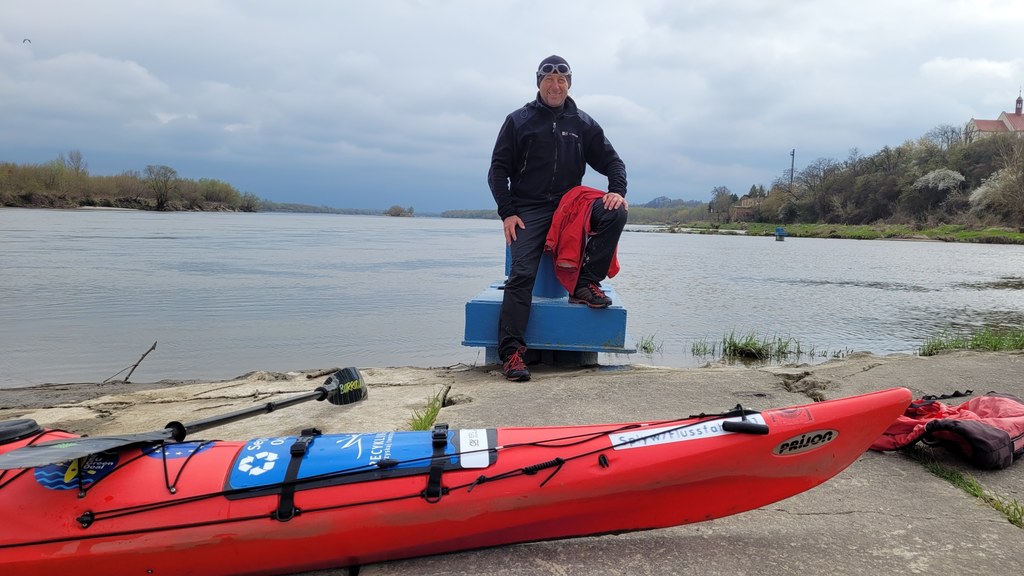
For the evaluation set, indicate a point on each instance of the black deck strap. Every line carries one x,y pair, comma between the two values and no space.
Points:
439,440
286,509
172,487
743,426
479,480
555,463
80,475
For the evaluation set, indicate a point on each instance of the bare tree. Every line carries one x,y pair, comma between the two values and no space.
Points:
946,136
970,133
162,182
721,199
76,163
889,160
814,175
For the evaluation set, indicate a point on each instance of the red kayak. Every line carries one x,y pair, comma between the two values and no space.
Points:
290,504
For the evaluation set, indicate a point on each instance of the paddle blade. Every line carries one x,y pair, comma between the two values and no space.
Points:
346,386
56,451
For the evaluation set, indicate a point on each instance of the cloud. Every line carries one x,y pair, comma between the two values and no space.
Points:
369,105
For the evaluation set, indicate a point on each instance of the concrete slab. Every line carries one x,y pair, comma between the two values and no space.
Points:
608,394
395,395
880,516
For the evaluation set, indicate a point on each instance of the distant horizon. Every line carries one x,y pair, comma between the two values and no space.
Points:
417,212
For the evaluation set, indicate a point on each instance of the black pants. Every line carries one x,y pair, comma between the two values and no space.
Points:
605,228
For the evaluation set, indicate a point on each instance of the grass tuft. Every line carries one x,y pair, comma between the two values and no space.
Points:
703,348
752,348
986,340
424,419
648,345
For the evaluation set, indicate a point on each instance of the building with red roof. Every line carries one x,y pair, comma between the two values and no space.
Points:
1007,122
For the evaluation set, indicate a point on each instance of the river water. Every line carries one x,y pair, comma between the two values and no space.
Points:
84,293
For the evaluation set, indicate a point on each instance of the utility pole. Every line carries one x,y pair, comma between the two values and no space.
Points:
792,165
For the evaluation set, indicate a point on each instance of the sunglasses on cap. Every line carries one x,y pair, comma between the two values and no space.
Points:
555,69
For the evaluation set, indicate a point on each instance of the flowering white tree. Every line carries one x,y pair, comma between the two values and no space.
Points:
983,198
1002,193
943,180
940,187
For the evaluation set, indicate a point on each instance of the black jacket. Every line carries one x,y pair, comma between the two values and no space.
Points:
542,153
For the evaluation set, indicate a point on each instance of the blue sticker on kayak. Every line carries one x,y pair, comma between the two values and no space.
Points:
340,458
74,473
175,450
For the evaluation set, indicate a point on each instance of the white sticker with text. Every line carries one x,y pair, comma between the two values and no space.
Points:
474,450
643,437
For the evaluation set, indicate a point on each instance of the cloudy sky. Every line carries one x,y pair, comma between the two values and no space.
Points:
371,104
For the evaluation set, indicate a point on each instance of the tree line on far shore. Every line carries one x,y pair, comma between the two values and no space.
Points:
65,182
949,176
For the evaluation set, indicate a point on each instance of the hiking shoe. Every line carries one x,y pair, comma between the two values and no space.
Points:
591,295
514,368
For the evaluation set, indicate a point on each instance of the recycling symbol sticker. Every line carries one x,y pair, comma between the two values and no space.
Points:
258,463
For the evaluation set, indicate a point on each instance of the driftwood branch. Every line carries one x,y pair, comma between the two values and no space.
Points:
325,372
134,366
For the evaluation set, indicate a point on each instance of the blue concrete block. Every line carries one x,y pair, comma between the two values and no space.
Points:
564,333
555,324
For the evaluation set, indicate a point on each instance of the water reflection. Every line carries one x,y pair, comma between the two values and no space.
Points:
1008,283
878,285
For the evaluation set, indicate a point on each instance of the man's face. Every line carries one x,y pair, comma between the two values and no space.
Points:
553,89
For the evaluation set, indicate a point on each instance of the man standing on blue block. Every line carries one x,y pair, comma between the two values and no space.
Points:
542,151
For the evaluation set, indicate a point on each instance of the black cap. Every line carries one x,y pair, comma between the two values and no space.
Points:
554,65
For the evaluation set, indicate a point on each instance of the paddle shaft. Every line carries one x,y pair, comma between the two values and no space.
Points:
179,431
333,390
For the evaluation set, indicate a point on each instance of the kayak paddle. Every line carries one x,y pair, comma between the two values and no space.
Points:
345,386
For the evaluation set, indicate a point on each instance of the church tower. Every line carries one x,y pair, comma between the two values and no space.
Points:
1020,104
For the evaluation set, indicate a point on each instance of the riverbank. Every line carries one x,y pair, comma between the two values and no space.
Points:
885,514
946,233
943,233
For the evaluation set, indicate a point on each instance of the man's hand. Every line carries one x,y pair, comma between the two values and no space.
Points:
511,223
612,200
